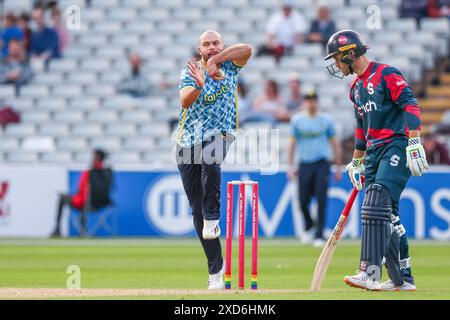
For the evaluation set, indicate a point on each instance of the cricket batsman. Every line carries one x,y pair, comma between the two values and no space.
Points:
208,120
387,150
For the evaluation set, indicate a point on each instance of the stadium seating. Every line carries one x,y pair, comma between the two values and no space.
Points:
75,104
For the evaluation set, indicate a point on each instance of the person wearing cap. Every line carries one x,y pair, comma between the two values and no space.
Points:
313,136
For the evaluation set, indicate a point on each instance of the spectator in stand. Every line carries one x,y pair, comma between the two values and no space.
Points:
45,4
23,21
136,85
269,107
11,31
295,95
413,9
285,30
435,150
244,102
322,28
61,30
15,68
439,8
44,44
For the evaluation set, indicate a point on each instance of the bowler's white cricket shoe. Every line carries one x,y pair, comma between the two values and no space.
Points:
362,281
318,243
215,281
390,286
211,229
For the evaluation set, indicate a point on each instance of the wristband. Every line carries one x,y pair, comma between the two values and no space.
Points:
197,87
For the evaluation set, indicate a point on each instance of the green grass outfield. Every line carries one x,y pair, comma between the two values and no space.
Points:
176,269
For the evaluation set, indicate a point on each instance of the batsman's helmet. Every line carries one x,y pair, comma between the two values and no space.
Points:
350,44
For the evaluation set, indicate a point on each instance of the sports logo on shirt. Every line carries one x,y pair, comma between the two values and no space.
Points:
370,88
342,39
211,98
368,107
395,159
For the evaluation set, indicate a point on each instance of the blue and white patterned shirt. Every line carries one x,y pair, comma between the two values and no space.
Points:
312,135
214,111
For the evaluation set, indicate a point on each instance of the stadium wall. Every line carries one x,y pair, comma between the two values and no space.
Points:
153,203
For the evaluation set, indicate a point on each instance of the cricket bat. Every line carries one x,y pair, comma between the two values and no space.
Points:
328,251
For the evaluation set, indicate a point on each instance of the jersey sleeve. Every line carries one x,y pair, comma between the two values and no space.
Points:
186,80
360,138
402,95
232,66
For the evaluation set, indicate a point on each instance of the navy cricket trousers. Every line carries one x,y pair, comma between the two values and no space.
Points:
313,181
200,171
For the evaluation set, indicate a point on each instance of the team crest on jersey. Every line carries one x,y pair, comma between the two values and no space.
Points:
395,160
370,88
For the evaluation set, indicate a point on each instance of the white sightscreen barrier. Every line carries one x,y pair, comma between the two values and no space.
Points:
28,200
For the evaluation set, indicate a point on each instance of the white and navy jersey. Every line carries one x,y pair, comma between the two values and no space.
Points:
214,111
385,107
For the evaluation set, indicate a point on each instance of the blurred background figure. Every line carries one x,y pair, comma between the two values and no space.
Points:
435,150
44,43
11,31
136,84
295,99
439,8
15,68
285,30
416,9
23,21
269,107
244,102
322,28
92,194
61,30
313,137
45,4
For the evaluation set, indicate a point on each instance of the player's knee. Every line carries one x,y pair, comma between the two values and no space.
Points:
377,203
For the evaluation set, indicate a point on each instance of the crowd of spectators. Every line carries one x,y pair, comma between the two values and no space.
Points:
419,9
287,29
28,42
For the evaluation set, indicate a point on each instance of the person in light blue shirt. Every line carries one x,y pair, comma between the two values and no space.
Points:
207,122
313,136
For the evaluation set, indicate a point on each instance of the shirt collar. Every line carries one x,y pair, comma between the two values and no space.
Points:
368,71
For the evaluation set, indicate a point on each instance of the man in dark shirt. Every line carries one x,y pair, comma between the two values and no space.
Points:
44,42
137,84
387,150
322,28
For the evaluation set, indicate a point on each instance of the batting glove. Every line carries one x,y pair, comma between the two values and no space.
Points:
356,170
416,159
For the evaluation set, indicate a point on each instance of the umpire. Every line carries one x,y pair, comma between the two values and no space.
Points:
313,135
207,122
